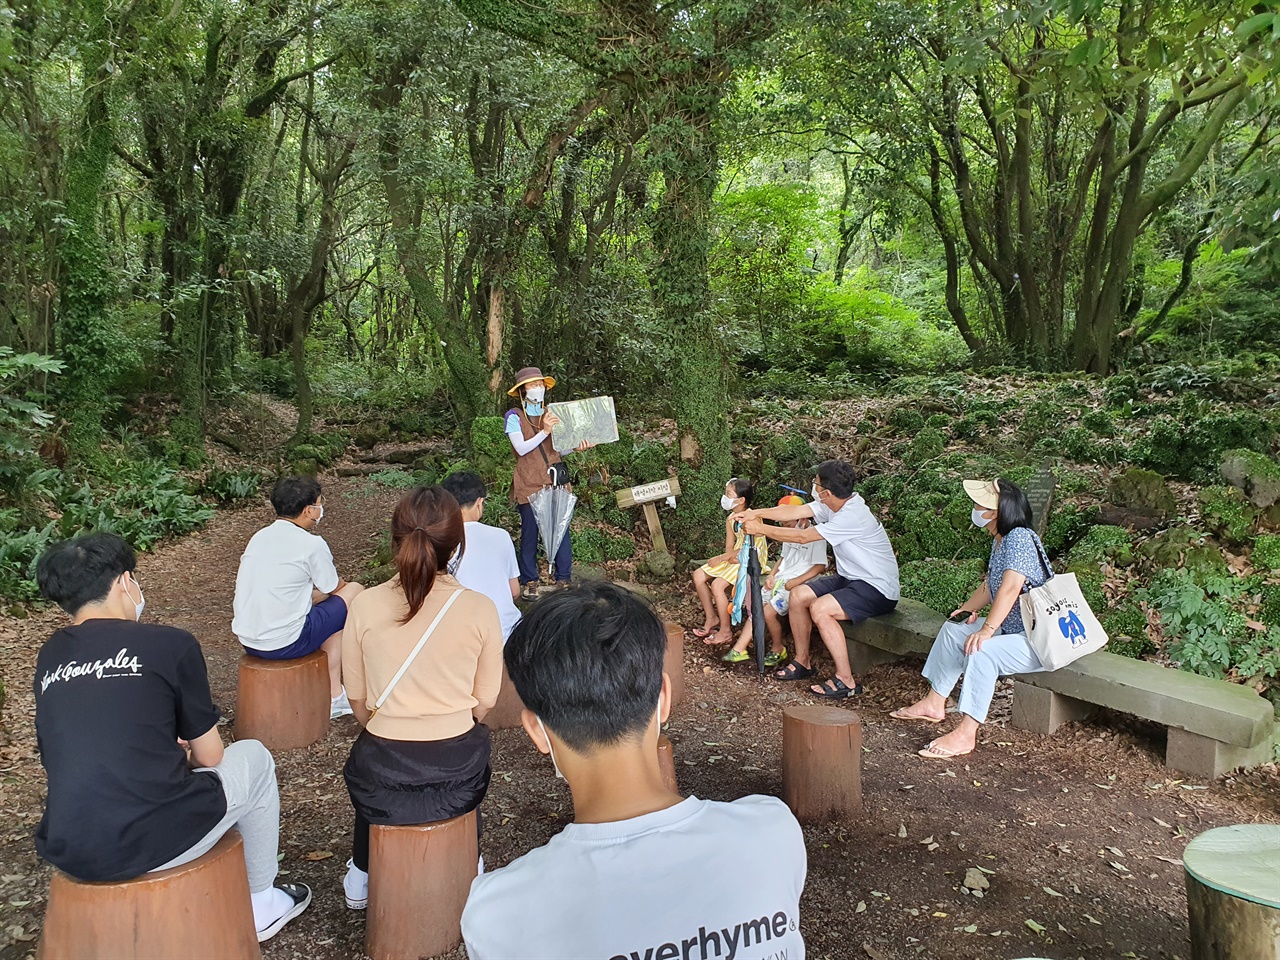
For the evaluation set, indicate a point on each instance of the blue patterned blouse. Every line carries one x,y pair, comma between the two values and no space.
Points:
1016,551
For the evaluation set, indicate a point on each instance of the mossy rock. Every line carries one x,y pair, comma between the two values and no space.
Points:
1266,552
1142,491
1164,551
656,567
1255,475
1227,513
1205,562
304,466
1101,543
368,435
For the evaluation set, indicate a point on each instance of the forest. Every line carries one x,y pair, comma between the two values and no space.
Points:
928,238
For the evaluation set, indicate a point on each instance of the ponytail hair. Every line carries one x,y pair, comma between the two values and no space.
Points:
426,528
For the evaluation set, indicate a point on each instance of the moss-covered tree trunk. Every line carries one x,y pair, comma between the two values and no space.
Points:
684,148
83,324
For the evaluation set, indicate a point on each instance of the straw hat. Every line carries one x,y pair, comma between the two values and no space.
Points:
984,493
528,375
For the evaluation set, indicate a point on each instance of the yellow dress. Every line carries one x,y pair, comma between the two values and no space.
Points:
728,570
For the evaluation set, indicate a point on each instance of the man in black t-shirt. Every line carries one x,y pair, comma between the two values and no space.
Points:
138,777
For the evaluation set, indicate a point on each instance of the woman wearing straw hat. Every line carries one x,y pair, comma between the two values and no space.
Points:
529,427
984,648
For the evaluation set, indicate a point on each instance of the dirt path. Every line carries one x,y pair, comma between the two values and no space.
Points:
1082,832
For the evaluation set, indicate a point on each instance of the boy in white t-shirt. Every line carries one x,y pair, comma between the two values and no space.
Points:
290,601
641,871
487,562
800,563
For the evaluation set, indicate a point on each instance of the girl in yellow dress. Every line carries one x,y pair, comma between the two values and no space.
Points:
715,580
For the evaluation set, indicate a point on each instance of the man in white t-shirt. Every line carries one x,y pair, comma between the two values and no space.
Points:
487,563
865,583
799,563
290,601
640,871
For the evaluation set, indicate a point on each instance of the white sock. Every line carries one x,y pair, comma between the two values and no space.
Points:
269,906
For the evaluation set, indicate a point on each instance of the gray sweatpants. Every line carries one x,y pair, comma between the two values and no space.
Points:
248,775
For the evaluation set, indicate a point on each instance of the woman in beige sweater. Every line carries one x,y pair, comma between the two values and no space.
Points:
424,754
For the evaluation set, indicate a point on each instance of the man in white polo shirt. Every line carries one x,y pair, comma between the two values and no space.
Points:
641,871
290,601
488,560
865,583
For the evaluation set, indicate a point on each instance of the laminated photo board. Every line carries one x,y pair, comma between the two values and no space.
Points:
591,419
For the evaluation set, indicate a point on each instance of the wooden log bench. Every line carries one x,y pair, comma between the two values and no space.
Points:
1213,726
419,878
283,703
200,909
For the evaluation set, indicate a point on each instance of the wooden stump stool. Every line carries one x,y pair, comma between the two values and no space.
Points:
200,909
673,664
283,703
821,762
419,878
667,761
1233,893
506,712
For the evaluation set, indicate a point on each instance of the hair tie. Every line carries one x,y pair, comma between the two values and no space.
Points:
421,529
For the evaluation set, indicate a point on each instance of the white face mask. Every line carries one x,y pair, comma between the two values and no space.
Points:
535,392
320,515
813,492
138,605
978,519
727,502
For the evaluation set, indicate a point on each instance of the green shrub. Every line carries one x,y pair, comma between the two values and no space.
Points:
492,451
619,548
941,585
1067,523
1103,544
231,486
938,421
1041,419
906,419
1090,579
1126,627
1269,609
1078,444
1100,422
1266,552
925,445
1120,389
1227,513
1204,622
396,479
589,545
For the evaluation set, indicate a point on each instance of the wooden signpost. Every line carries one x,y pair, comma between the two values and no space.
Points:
646,496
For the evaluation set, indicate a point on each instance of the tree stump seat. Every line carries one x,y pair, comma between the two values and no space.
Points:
1233,893
419,878
673,663
200,909
283,703
821,763
506,712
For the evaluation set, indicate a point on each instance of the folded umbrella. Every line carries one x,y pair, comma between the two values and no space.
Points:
553,509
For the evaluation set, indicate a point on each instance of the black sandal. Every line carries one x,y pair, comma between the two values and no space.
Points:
837,689
794,671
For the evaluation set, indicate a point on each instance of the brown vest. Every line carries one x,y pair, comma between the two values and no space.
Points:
531,469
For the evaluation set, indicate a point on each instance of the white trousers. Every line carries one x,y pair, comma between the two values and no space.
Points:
248,775
1000,656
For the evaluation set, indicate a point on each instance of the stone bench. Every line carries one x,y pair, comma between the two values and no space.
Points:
200,909
1214,726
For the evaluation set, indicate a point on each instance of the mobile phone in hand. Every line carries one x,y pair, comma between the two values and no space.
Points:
960,616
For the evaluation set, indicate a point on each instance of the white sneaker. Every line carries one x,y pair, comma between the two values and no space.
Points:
355,886
339,706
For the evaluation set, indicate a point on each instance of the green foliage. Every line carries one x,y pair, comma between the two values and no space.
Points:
1101,544
1266,552
231,486
940,585
1100,422
594,545
1126,628
925,445
1067,523
1227,513
906,419
397,479
1207,627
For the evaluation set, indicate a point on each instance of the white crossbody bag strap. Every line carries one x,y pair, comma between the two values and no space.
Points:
415,651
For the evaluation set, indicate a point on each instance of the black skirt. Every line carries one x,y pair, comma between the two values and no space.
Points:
399,782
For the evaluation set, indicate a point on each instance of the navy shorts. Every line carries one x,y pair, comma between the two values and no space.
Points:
858,599
324,619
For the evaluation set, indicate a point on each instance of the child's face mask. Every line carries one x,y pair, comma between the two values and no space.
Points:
727,502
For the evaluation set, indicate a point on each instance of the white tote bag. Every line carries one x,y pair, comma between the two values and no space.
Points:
1060,626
